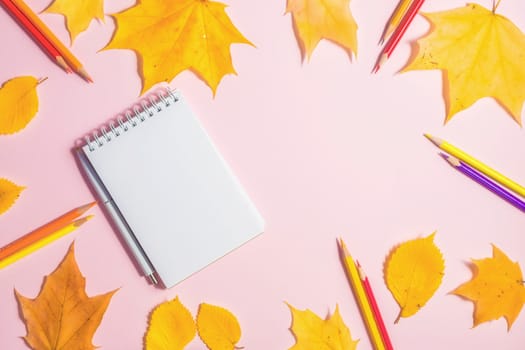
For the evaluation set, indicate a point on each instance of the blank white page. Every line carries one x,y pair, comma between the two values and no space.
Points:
176,192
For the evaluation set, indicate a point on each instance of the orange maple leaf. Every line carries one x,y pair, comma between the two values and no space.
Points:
172,36
496,289
323,19
62,316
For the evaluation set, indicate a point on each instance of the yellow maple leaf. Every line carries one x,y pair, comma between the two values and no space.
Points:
78,14
313,333
323,19
62,316
413,273
18,103
218,328
496,289
9,193
171,327
172,36
481,55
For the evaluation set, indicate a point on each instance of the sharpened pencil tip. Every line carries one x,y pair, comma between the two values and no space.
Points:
382,59
82,209
436,141
81,221
444,155
84,74
451,160
343,248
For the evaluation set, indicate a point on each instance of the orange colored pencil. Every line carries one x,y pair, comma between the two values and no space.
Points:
35,33
72,61
398,33
375,308
43,231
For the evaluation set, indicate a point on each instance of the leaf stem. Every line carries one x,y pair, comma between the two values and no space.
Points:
495,5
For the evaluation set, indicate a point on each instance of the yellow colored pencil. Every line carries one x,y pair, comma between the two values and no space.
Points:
360,295
43,242
394,21
42,28
476,164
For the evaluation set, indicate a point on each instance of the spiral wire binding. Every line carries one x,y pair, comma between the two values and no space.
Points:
145,109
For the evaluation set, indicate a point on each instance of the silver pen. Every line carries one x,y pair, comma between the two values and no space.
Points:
111,209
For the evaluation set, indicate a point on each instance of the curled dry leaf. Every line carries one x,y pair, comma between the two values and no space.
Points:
323,19
171,327
313,333
62,316
18,103
481,54
218,328
496,288
188,34
78,14
9,193
413,273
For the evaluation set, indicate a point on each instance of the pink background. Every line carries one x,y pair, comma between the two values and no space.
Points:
324,148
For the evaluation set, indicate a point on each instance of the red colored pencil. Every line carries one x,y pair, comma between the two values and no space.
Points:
400,30
375,308
68,56
36,34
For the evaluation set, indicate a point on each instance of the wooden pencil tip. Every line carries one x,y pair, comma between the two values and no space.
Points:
436,141
344,249
82,72
451,160
382,59
86,207
81,221
62,63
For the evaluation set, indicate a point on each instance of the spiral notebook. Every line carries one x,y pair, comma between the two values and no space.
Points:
166,189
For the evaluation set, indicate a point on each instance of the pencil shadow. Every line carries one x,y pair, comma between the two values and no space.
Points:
121,240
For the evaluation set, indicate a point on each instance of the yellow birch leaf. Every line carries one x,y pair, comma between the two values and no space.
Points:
18,103
413,273
481,55
62,316
496,289
218,328
171,327
172,36
78,14
323,19
9,193
313,333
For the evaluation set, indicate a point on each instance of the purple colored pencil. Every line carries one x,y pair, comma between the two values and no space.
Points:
484,181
